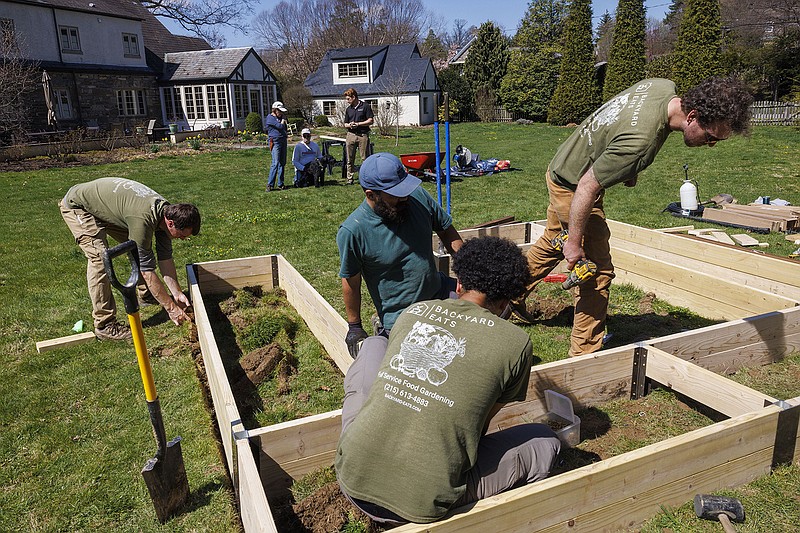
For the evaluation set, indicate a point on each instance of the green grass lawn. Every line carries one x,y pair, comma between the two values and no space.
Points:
74,431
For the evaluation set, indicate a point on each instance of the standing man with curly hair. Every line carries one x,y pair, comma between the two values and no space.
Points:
417,405
358,118
612,146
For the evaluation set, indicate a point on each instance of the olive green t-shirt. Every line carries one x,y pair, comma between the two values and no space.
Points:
620,139
129,206
448,362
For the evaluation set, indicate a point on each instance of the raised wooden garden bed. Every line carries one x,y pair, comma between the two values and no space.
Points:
616,493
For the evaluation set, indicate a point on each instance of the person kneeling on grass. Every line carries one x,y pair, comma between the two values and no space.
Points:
417,405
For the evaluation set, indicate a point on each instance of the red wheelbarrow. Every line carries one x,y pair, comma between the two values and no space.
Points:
417,164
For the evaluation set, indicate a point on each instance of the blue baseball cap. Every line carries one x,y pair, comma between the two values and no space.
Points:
384,172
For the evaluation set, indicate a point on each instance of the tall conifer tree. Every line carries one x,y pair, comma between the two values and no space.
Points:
627,58
576,94
487,61
697,50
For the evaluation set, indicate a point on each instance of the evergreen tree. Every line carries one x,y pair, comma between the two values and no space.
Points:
487,61
627,58
605,32
697,50
452,82
576,94
433,47
533,68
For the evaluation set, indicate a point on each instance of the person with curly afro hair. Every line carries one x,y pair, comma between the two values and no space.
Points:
613,145
417,405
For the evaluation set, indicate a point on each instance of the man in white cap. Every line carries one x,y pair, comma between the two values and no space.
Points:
387,241
305,153
278,132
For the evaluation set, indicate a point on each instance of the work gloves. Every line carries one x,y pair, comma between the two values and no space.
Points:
355,336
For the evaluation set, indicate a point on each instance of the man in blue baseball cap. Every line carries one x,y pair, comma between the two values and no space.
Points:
387,242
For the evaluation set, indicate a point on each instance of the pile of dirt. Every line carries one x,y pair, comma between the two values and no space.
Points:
328,510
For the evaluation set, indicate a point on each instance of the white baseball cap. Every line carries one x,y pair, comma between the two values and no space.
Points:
279,105
305,130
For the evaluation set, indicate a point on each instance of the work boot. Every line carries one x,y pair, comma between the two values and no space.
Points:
113,332
377,327
520,313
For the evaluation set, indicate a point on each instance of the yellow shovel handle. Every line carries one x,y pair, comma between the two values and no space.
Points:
143,358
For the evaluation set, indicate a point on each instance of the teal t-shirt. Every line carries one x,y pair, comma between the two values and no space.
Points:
130,207
395,260
448,362
620,139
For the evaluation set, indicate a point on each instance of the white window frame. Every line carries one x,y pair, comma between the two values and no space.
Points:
266,98
329,108
222,101
199,103
63,104
173,106
373,104
70,40
131,102
241,100
130,45
188,102
356,69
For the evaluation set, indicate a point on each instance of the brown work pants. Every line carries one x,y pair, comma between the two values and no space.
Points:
91,235
591,297
351,142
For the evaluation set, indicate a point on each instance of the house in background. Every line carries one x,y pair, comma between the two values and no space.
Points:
113,65
211,87
383,76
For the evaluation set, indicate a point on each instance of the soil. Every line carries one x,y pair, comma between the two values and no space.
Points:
327,510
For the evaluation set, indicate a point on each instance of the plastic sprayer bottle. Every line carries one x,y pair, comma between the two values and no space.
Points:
688,193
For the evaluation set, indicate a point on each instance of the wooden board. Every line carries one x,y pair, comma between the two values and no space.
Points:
745,240
227,275
62,342
721,236
741,219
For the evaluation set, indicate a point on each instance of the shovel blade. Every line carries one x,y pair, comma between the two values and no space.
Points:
166,481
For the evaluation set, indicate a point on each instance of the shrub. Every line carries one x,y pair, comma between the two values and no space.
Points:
253,123
322,120
299,122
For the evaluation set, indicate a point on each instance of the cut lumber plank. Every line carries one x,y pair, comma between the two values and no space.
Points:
719,393
702,231
491,223
723,215
61,342
675,229
721,236
786,220
745,240
747,261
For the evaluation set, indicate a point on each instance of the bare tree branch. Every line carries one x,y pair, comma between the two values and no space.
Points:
203,17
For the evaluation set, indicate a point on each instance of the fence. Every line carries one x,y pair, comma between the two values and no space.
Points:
776,113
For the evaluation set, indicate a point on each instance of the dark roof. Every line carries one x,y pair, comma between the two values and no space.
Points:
117,8
203,64
390,62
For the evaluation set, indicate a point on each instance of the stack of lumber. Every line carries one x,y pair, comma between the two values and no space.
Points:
771,217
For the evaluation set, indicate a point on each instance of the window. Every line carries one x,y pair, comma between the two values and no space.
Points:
63,104
329,107
266,97
240,97
172,104
70,42
254,98
211,99
222,102
130,102
188,97
372,103
353,70
199,104
425,105
130,44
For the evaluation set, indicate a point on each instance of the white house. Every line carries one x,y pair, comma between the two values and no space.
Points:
384,76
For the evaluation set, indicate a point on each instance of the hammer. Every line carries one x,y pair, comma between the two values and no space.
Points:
722,508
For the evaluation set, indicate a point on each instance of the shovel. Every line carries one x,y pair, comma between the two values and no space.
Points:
164,474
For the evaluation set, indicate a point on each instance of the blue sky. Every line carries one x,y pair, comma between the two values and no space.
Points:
504,13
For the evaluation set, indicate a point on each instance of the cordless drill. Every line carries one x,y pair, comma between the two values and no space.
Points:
583,270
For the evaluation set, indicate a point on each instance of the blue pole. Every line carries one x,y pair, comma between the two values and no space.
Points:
447,146
436,142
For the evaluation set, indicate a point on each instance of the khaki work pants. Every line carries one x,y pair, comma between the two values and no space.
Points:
591,297
351,142
91,236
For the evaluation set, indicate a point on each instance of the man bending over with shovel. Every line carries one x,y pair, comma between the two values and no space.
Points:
126,209
417,405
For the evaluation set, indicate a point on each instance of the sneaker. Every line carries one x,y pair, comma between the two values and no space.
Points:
520,313
350,181
113,332
269,188
377,327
